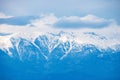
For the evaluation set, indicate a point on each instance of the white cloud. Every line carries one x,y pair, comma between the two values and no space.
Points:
92,19
45,20
89,21
85,19
2,15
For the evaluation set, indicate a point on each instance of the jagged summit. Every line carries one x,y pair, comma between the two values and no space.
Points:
60,45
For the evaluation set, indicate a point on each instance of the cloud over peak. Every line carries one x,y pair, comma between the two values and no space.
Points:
45,20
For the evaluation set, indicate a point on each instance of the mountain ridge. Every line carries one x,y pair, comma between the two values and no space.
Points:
62,44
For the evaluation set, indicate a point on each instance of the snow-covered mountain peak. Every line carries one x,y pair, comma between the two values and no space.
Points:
80,38
48,42
5,42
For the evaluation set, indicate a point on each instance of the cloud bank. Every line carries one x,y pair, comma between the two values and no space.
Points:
51,23
66,22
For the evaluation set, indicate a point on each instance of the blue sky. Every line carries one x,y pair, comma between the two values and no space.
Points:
101,8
